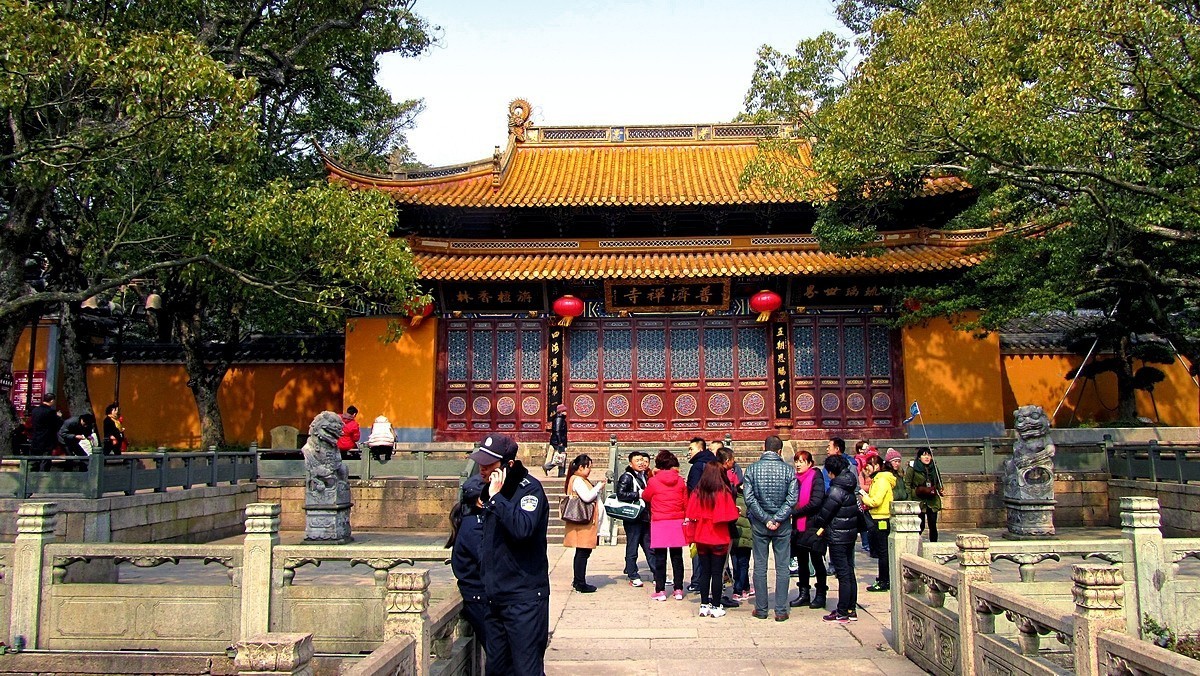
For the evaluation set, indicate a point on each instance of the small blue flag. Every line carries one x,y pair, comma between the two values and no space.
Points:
913,411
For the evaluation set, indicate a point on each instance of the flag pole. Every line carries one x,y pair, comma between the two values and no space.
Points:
923,429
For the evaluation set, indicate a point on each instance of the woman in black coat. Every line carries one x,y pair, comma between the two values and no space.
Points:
838,521
807,546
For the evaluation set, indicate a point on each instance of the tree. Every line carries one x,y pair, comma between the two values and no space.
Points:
1078,126
316,68
322,249
132,153
90,117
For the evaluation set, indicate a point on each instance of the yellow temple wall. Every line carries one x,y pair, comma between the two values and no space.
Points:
955,378
21,357
159,409
1041,379
395,379
45,349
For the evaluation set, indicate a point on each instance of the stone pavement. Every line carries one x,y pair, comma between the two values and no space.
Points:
619,630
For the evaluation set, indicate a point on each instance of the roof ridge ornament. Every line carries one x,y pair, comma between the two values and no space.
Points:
496,167
519,114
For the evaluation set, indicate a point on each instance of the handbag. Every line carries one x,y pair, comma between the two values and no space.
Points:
864,522
627,511
574,510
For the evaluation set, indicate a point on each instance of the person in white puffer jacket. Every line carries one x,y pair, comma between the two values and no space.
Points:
382,440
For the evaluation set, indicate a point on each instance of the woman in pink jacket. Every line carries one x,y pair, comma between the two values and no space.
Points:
710,510
666,496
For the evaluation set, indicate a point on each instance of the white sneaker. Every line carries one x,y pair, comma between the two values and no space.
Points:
705,610
635,582
716,611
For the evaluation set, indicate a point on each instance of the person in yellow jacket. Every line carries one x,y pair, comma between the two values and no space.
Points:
879,501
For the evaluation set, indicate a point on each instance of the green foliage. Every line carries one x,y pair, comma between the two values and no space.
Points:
1162,636
1078,126
172,141
106,132
791,86
323,247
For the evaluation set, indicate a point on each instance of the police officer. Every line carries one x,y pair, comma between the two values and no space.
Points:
465,537
516,572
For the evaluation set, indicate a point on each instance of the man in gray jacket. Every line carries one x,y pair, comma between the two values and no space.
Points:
770,493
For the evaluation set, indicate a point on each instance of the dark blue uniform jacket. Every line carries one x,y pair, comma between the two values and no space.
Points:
464,561
513,552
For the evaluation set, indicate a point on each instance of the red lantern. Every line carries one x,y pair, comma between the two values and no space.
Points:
568,307
418,314
764,303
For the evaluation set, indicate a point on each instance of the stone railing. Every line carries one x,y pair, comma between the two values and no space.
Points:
1148,562
419,463
126,474
1124,655
949,617
66,596
6,558
1154,461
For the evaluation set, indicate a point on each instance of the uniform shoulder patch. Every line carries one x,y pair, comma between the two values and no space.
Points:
529,503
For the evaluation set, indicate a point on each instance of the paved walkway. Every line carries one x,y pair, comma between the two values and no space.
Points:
619,630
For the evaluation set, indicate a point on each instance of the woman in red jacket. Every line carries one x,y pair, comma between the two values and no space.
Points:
710,509
666,497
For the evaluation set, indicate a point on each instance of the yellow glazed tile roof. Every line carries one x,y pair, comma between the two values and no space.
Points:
465,260
602,166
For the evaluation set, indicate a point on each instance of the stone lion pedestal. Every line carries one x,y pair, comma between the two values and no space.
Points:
1029,478
327,488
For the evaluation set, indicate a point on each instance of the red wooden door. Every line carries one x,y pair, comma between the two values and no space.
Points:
667,378
844,372
493,376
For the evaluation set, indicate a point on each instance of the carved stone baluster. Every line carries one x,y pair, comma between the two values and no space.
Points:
1026,562
408,612
985,617
1153,580
291,563
913,583
1099,595
275,655
935,593
974,565
381,566
61,563
905,538
36,522
262,535
1028,636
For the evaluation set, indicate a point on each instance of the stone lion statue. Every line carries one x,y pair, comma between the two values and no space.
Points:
1029,474
322,460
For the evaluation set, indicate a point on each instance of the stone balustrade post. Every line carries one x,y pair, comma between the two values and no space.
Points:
904,538
408,613
36,522
974,565
1152,578
275,655
262,535
1099,594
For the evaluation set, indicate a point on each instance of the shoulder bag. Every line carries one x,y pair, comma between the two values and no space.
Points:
574,510
627,511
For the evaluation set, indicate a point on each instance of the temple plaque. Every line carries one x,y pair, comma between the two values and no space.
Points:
667,295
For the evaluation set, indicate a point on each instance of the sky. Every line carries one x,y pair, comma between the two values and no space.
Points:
587,62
